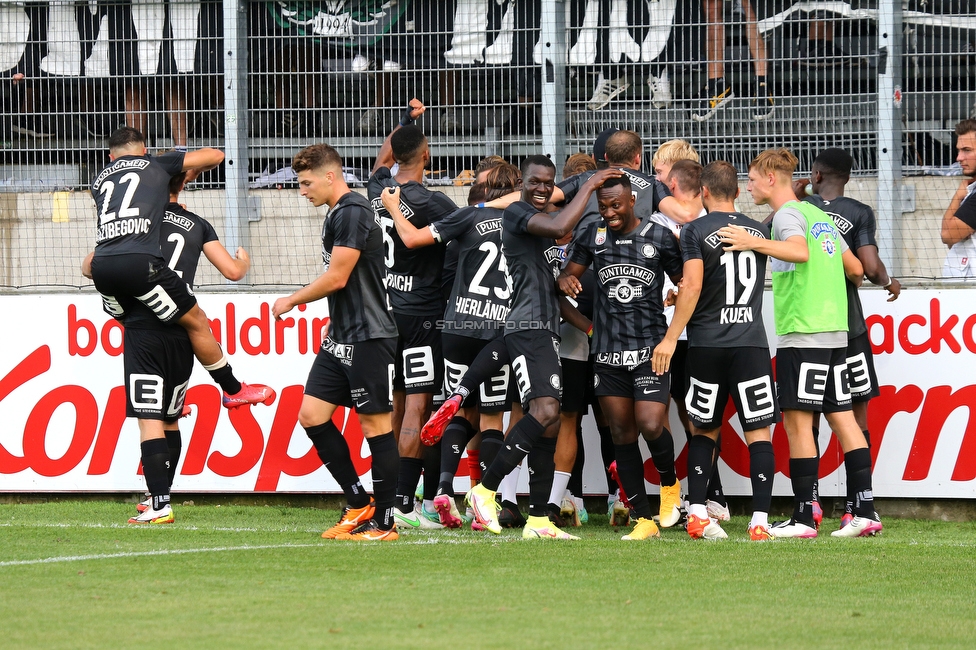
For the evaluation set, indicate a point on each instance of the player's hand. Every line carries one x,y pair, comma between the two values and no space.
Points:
598,179
800,188
735,238
417,108
661,360
282,306
671,298
391,198
569,284
894,289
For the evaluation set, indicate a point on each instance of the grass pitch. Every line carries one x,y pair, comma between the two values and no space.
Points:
75,575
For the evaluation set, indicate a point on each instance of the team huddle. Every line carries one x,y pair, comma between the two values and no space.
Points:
614,290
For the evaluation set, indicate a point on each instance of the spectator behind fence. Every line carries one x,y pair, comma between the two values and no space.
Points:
153,48
717,94
959,220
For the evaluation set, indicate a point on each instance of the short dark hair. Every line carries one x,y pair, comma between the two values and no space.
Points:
406,142
502,179
316,157
622,181
537,159
688,175
623,147
176,182
721,180
124,136
966,126
476,194
834,162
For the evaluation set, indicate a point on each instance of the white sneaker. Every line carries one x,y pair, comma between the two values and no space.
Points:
606,90
793,528
717,512
859,527
406,521
162,516
360,63
660,90
391,66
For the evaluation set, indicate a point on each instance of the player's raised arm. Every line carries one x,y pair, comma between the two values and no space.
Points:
558,226
384,158
202,160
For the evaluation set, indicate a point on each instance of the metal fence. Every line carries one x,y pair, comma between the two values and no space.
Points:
885,80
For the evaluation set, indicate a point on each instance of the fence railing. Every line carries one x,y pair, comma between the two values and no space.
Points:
885,80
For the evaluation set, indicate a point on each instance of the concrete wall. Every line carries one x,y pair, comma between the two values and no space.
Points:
44,236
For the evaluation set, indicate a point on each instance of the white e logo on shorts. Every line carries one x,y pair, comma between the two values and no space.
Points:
453,374
701,399
860,379
146,392
521,376
160,303
418,365
496,388
756,396
813,381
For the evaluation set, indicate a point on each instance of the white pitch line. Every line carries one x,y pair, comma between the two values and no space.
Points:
178,551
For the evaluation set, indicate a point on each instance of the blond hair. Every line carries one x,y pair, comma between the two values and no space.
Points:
672,151
776,161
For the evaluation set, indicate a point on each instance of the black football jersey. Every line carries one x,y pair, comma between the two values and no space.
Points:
182,238
533,265
630,267
648,192
130,196
413,276
857,226
360,311
729,310
481,295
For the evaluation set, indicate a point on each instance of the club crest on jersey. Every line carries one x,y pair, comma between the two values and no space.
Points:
601,236
828,247
648,251
843,225
823,228
554,380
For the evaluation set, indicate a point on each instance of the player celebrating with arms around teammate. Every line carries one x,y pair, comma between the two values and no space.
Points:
720,302
810,262
529,237
354,365
630,262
